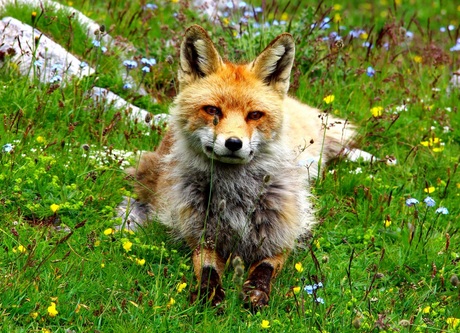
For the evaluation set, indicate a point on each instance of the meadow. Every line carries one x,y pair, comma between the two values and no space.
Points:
385,254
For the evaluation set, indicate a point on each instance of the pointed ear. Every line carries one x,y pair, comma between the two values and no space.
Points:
198,56
273,66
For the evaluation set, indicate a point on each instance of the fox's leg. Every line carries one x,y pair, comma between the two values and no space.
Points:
258,285
209,267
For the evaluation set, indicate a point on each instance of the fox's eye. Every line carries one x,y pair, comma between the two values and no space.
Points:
212,110
255,115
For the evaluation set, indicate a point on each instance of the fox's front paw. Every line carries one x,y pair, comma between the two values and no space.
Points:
255,298
213,295
210,289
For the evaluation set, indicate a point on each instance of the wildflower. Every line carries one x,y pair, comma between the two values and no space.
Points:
149,62
319,300
329,99
127,86
409,34
429,202
102,265
103,49
181,286
456,47
411,202
127,245
171,302
140,262
109,231
370,71
150,6
453,322
130,64
298,266
356,33
56,68
52,312
96,43
442,210
265,324
418,59
387,222
429,189
40,139
38,63
146,69
377,111
7,148
309,289
296,290
56,78
34,315
21,249
83,65
54,208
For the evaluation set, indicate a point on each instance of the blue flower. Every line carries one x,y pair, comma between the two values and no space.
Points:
146,69
56,67
308,289
56,78
356,33
370,71
150,6
127,86
7,148
130,64
409,34
411,202
83,65
429,202
149,62
38,63
96,43
319,300
442,210
103,49
456,47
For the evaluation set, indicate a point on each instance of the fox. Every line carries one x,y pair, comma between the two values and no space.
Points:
231,175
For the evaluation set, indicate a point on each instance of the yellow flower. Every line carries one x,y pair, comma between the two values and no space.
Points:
337,6
296,290
430,189
453,322
52,312
329,99
265,324
317,243
284,17
40,139
225,21
387,222
364,35
109,231
45,330
426,309
377,111
97,243
337,18
438,149
418,59
140,262
20,249
127,245
171,302
34,315
181,286
298,266
54,208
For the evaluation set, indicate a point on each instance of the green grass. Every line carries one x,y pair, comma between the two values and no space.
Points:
378,276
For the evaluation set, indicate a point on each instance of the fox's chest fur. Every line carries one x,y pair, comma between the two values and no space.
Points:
253,211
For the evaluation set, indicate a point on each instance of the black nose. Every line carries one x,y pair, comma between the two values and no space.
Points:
233,144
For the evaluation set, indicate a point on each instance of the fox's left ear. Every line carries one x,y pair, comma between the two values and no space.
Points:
273,66
198,56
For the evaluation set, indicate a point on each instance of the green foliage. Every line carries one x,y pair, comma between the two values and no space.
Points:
384,266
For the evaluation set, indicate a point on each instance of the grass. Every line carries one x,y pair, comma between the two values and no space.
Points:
384,266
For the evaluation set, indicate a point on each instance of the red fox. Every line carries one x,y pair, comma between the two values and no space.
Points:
230,177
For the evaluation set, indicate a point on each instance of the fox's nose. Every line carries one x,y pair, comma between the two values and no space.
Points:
233,143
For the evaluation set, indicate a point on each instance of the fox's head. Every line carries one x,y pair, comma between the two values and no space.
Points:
231,112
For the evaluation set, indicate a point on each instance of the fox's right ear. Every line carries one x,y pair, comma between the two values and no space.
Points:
198,56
